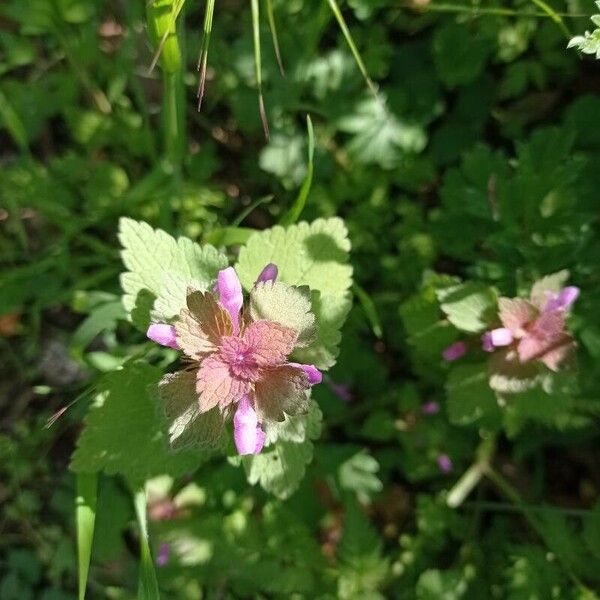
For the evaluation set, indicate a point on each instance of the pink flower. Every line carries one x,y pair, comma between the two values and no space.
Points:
164,552
533,330
496,338
163,334
248,435
444,463
430,408
341,390
561,300
238,366
269,273
231,299
454,351
314,375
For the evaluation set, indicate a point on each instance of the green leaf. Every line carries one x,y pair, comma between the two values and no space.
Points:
290,306
588,43
508,375
314,255
470,307
370,310
470,399
283,157
591,530
460,53
363,569
123,431
434,584
280,467
359,474
87,486
102,317
162,267
534,405
330,313
147,584
427,333
533,573
379,136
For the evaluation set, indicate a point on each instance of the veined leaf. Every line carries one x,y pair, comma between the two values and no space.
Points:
123,431
280,467
153,260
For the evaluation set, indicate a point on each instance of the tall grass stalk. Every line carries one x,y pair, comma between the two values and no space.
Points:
162,17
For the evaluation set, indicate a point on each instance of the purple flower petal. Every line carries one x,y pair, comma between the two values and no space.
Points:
341,390
444,463
496,338
269,273
454,351
229,290
163,334
248,436
164,551
261,436
562,300
501,336
314,375
486,342
430,408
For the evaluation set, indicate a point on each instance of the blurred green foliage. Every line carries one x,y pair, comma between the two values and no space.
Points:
477,165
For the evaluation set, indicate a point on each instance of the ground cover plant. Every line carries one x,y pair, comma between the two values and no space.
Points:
299,300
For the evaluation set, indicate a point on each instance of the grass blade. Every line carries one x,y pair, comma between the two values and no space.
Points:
257,66
203,58
357,57
273,28
295,211
250,208
85,513
14,124
148,583
369,309
170,30
554,16
229,236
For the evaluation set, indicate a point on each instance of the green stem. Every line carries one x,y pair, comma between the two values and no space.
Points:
552,14
258,66
472,476
490,506
335,9
162,18
174,119
493,11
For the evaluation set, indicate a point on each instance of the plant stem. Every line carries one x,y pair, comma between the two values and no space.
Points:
162,18
472,476
552,14
476,11
174,120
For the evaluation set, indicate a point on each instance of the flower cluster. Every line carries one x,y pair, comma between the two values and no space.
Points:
528,335
534,329
237,363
